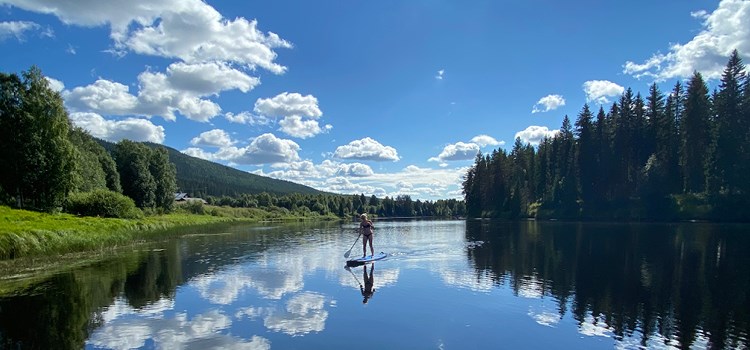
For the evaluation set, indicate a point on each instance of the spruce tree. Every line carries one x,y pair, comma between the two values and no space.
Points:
695,135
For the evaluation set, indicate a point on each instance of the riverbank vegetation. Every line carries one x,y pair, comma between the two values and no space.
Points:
682,156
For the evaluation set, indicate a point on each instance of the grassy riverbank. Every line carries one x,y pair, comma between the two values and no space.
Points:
26,233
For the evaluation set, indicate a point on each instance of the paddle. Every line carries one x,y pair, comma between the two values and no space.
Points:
346,255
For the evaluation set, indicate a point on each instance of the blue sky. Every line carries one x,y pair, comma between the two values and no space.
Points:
375,97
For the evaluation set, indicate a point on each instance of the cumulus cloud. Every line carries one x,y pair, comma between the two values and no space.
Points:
599,91
548,103
103,96
213,138
485,140
16,29
725,29
190,30
115,130
181,89
535,134
464,150
366,149
296,127
457,151
299,113
288,104
264,149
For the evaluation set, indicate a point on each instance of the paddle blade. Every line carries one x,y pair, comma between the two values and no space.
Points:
346,255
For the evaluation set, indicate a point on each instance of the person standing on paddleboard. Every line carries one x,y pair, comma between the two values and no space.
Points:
367,230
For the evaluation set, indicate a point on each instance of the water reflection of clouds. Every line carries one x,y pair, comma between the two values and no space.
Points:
120,307
179,332
304,313
544,318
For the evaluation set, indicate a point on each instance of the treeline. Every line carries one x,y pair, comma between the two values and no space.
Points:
684,155
345,205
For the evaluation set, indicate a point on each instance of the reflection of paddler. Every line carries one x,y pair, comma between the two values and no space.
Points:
367,290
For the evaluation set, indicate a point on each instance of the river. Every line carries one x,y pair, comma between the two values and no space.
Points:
445,285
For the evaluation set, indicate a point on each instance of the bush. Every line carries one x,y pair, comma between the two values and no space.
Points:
103,203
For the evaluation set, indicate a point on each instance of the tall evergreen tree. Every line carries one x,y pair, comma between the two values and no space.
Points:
730,128
586,159
695,135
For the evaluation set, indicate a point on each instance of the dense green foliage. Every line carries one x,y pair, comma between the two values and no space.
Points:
683,157
35,152
103,203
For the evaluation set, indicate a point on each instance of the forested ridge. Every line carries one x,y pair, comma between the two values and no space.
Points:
202,178
676,156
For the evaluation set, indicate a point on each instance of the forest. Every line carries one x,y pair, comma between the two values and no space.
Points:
684,155
50,165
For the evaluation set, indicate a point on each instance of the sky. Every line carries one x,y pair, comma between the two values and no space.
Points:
381,98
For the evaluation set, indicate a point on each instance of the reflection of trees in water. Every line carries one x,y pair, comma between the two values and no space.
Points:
677,283
61,312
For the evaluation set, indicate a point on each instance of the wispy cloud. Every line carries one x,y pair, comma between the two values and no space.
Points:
440,74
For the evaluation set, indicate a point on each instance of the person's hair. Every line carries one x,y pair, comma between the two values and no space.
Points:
363,216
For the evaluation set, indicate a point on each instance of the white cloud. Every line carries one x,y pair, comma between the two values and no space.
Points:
199,153
485,140
366,149
534,134
209,78
599,91
457,151
180,89
115,130
296,127
103,96
55,84
440,74
548,103
213,138
246,117
288,104
190,30
725,29
16,29
264,149
355,170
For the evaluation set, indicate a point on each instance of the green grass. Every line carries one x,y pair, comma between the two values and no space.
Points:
25,233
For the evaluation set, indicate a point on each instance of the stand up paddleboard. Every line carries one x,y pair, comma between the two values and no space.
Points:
366,259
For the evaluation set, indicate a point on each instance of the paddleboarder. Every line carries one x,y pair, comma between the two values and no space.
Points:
367,230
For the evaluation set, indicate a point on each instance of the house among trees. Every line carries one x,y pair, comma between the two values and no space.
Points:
181,197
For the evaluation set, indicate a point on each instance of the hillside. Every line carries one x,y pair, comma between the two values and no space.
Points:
200,177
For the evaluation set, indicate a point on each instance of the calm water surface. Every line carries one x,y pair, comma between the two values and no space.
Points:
445,285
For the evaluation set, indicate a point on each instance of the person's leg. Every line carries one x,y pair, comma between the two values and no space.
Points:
372,250
364,245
